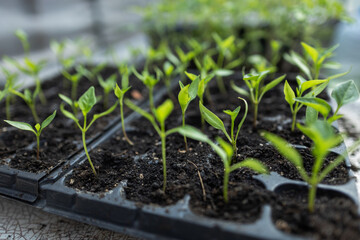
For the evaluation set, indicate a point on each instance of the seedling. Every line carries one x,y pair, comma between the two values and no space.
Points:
85,104
256,91
74,79
343,93
186,95
150,81
182,61
168,71
225,152
318,58
224,47
324,138
160,115
29,98
91,73
120,93
11,79
108,86
216,122
37,130
29,67
201,88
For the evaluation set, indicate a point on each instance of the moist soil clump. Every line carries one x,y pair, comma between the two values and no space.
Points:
334,217
52,153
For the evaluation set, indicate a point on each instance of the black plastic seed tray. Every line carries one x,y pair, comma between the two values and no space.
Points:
113,211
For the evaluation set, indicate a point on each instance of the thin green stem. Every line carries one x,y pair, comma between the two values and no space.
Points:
221,85
226,184
311,197
151,98
255,114
163,150
85,147
33,111
41,93
74,90
38,146
123,123
183,124
106,99
8,102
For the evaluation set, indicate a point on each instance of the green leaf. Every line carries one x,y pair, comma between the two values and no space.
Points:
345,93
68,114
21,125
168,68
184,97
311,115
227,148
117,91
137,109
66,99
289,94
239,90
191,76
284,149
311,83
48,120
271,85
299,62
318,104
99,115
211,118
313,53
251,163
164,110
87,100
233,114
37,127
193,133
223,72
193,89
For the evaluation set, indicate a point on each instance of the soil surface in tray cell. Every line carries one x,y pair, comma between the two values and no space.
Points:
334,217
197,172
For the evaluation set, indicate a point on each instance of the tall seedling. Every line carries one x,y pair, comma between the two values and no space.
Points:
120,93
324,138
158,121
256,91
85,104
225,152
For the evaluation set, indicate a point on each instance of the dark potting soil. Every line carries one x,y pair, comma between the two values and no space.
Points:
197,172
52,152
334,217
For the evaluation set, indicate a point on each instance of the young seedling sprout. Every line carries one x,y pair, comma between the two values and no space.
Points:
29,98
225,152
343,93
216,122
85,104
168,71
37,130
150,81
120,93
158,121
201,84
186,95
254,82
11,79
30,67
108,86
222,67
324,138
182,61
74,79
318,58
